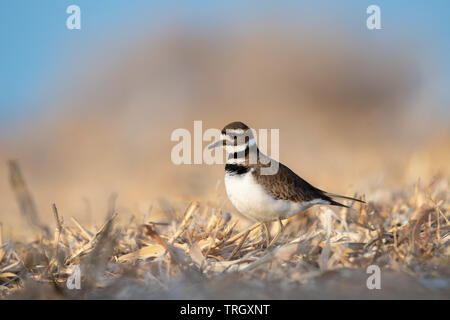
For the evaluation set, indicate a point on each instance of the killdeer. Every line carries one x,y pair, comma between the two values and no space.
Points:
265,197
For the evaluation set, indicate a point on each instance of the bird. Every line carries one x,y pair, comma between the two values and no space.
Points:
260,196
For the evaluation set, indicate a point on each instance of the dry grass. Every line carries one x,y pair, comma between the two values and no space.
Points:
200,254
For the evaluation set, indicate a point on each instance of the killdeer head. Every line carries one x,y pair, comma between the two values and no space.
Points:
239,142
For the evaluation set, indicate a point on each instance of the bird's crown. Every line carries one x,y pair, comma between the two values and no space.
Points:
237,125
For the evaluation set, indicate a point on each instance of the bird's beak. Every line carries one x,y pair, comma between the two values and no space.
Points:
216,144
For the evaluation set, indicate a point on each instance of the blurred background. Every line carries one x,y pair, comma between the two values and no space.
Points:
90,112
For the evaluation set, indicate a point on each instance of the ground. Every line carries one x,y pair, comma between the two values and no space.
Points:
322,253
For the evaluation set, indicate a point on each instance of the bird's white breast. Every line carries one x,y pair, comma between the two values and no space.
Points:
251,199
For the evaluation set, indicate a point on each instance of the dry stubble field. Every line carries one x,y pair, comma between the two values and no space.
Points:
201,253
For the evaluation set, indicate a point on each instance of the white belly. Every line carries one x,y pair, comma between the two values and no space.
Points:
251,200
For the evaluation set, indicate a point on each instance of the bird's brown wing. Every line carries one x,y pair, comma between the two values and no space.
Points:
286,185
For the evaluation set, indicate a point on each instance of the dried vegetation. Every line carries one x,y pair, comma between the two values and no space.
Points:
323,253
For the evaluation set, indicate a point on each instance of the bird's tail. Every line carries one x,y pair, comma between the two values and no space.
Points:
337,196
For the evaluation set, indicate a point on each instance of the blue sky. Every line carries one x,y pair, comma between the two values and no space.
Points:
36,45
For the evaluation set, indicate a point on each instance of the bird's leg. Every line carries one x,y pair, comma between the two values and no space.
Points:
267,233
275,239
